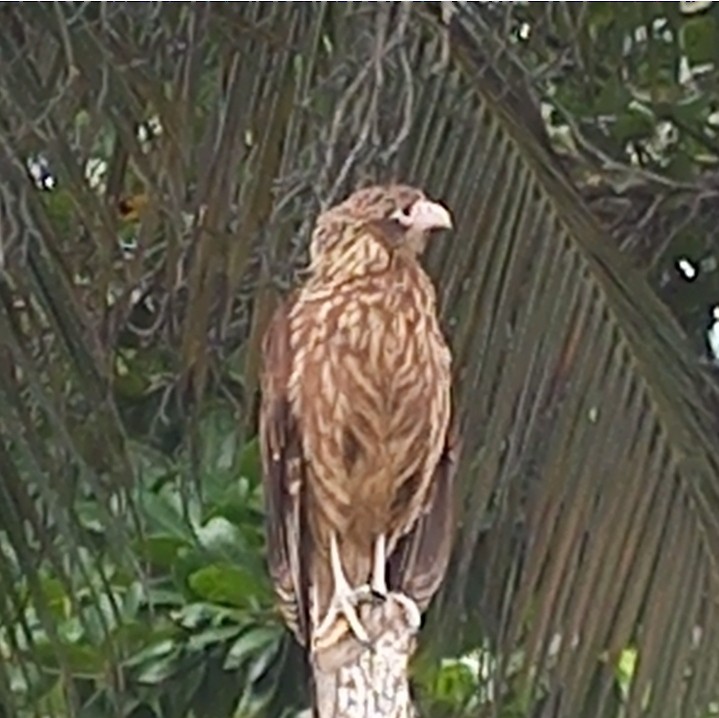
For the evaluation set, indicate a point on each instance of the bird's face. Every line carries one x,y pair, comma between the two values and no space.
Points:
400,215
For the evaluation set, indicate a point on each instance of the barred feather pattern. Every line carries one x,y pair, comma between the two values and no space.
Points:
356,406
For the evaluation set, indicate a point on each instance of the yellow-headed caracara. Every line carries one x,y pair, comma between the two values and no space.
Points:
358,457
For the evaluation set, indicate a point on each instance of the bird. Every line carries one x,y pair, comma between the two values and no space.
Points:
356,429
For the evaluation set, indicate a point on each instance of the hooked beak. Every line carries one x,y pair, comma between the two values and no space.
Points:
425,215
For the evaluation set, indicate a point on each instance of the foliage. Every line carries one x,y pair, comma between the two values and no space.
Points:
649,99
630,94
196,618
161,165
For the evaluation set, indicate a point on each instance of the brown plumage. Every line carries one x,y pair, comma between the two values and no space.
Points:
355,415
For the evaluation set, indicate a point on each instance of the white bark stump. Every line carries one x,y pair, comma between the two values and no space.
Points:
354,681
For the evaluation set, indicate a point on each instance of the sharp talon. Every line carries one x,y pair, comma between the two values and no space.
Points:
378,597
414,615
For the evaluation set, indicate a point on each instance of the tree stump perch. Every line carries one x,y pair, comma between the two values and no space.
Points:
356,681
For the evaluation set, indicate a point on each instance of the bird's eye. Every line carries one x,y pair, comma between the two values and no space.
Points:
402,215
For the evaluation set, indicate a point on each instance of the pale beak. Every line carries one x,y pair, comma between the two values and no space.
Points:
425,215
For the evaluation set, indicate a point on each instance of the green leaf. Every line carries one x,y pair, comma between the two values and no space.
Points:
455,683
219,536
212,636
226,584
134,597
84,660
158,649
161,549
249,463
55,596
194,616
163,512
159,669
626,669
700,39
252,641
258,667
633,124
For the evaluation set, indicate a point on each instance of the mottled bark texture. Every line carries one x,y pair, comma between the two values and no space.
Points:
355,681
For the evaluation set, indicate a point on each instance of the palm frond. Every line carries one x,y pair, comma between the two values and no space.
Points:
595,467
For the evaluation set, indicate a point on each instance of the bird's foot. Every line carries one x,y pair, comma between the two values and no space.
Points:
411,609
343,604
343,614
380,590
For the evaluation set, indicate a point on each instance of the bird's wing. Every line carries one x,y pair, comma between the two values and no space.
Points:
284,479
418,564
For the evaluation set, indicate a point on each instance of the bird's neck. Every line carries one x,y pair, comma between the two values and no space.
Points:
344,263
370,262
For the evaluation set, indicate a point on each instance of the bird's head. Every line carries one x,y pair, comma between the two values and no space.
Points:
398,216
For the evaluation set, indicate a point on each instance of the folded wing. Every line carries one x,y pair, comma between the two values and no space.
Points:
288,548
418,564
